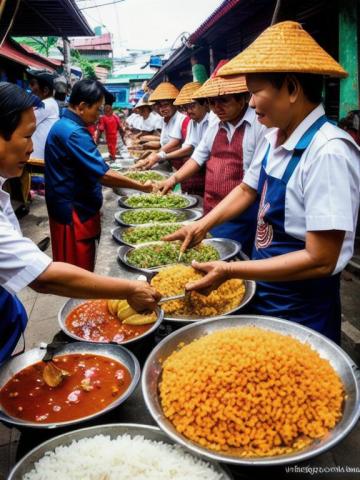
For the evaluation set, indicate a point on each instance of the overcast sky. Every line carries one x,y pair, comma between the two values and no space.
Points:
148,24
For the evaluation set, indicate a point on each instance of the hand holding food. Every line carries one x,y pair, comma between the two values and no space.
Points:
127,315
143,296
147,162
166,186
216,273
190,235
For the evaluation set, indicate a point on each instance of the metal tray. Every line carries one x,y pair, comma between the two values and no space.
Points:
26,464
341,362
130,191
192,200
116,352
250,289
227,249
191,215
118,232
70,304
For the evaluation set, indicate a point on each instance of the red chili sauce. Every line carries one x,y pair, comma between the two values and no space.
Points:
94,382
92,321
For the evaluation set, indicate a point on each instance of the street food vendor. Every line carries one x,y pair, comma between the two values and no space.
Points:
174,123
150,122
22,263
74,174
198,111
226,151
110,124
307,173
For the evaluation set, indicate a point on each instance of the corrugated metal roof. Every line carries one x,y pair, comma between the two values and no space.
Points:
45,18
15,52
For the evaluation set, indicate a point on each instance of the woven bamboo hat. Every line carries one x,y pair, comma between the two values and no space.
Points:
216,86
186,93
164,91
144,101
284,47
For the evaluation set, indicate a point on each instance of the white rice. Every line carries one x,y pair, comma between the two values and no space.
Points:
121,458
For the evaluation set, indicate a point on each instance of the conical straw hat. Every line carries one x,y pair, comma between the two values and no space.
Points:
164,91
186,93
284,47
217,86
144,101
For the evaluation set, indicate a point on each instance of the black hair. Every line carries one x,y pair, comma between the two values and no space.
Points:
44,83
13,101
311,84
88,91
202,101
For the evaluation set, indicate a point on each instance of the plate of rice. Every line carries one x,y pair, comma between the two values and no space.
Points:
252,390
113,452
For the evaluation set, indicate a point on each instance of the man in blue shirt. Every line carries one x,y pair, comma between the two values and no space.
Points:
74,174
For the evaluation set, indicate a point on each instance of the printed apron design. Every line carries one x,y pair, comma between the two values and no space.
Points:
314,303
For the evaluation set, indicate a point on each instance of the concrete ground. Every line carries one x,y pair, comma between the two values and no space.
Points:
42,311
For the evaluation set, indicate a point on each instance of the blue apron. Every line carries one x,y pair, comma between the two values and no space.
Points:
314,303
242,228
12,323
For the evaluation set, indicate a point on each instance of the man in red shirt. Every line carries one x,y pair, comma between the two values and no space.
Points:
111,125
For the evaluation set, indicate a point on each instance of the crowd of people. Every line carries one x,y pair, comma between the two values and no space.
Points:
253,140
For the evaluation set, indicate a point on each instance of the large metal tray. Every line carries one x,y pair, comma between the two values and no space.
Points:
118,232
227,249
26,464
72,303
116,352
130,191
341,362
191,215
192,200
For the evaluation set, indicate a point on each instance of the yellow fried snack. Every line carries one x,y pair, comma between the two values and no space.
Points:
127,315
250,392
172,280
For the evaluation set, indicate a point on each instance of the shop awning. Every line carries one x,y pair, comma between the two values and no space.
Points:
60,18
16,53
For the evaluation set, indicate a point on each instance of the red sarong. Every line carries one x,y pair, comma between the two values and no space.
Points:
75,243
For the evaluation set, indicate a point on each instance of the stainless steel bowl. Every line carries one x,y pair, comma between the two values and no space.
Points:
118,232
192,200
340,361
250,289
190,215
26,464
130,191
69,306
115,352
227,249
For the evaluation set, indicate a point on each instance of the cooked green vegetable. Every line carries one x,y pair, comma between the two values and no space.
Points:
168,252
156,200
153,233
137,217
144,176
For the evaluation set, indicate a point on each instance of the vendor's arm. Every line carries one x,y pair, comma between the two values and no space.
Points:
318,259
71,281
114,179
154,158
235,203
186,171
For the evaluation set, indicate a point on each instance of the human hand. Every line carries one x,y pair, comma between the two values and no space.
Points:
216,273
143,296
164,186
190,235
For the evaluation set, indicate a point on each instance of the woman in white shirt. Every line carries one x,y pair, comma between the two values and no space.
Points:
308,176
21,262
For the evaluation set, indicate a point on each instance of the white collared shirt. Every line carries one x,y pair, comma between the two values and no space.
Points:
172,128
21,262
45,119
323,192
133,119
197,130
254,132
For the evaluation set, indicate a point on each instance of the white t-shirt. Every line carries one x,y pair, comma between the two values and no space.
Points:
45,119
153,122
133,119
21,262
172,128
197,130
254,133
323,191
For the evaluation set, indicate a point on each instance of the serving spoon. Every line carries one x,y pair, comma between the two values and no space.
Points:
52,375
